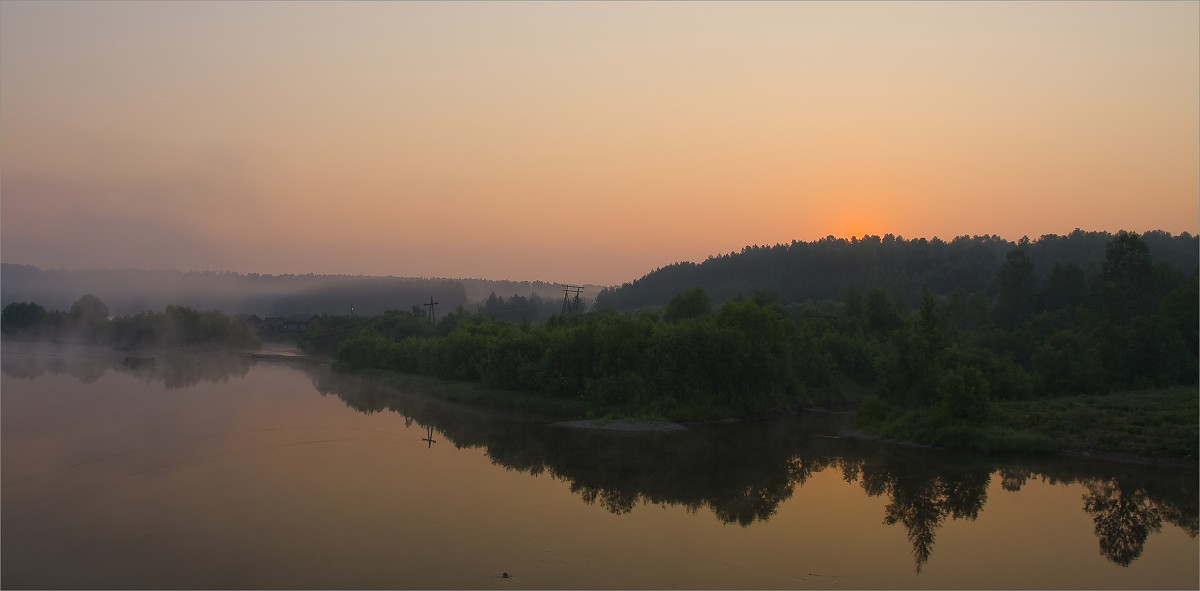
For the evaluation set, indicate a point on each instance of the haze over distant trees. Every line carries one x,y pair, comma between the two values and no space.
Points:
127,291
88,322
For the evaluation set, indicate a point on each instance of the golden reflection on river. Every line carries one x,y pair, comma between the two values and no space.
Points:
260,481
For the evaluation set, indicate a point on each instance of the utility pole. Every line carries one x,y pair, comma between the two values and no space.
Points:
431,305
567,291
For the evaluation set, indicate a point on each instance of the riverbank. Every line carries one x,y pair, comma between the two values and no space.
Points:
1152,423
1159,426
1147,427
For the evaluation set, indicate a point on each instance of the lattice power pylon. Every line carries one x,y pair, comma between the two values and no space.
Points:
431,305
567,291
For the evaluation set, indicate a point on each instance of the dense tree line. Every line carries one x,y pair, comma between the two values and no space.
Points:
327,333
1133,326
534,308
88,322
1024,332
735,360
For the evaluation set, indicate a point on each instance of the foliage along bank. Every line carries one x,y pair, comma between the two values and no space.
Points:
742,358
930,374
1133,327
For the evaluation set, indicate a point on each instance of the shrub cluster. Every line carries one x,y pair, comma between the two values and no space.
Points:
737,360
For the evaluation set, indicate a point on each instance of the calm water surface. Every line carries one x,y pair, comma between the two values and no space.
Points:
215,471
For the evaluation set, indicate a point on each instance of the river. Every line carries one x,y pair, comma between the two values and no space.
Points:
222,471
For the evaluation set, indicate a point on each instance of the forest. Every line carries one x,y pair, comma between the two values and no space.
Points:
822,271
922,337
986,325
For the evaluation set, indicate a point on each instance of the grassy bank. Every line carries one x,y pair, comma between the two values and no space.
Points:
1163,422
1154,423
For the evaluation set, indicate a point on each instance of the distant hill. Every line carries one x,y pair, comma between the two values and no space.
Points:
827,268
129,291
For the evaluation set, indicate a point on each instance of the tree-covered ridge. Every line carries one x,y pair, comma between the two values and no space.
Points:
88,322
824,269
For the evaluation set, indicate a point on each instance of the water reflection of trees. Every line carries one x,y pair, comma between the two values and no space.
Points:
85,366
739,472
1126,513
619,471
743,472
1126,503
922,493
175,370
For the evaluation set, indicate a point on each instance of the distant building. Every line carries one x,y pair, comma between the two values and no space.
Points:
280,325
251,320
298,322
271,326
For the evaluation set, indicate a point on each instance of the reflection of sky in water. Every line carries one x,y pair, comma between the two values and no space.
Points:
255,479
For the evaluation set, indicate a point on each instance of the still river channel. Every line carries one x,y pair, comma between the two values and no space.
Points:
220,471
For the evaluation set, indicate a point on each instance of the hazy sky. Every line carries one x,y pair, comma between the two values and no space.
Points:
579,142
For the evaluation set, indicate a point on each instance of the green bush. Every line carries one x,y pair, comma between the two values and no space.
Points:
964,395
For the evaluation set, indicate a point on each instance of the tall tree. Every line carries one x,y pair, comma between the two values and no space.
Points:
22,317
88,308
1122,290
1018,290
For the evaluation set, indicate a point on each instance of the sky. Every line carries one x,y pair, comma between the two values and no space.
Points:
579,142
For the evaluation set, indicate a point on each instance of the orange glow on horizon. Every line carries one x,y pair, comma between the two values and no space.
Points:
516,140
858,223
